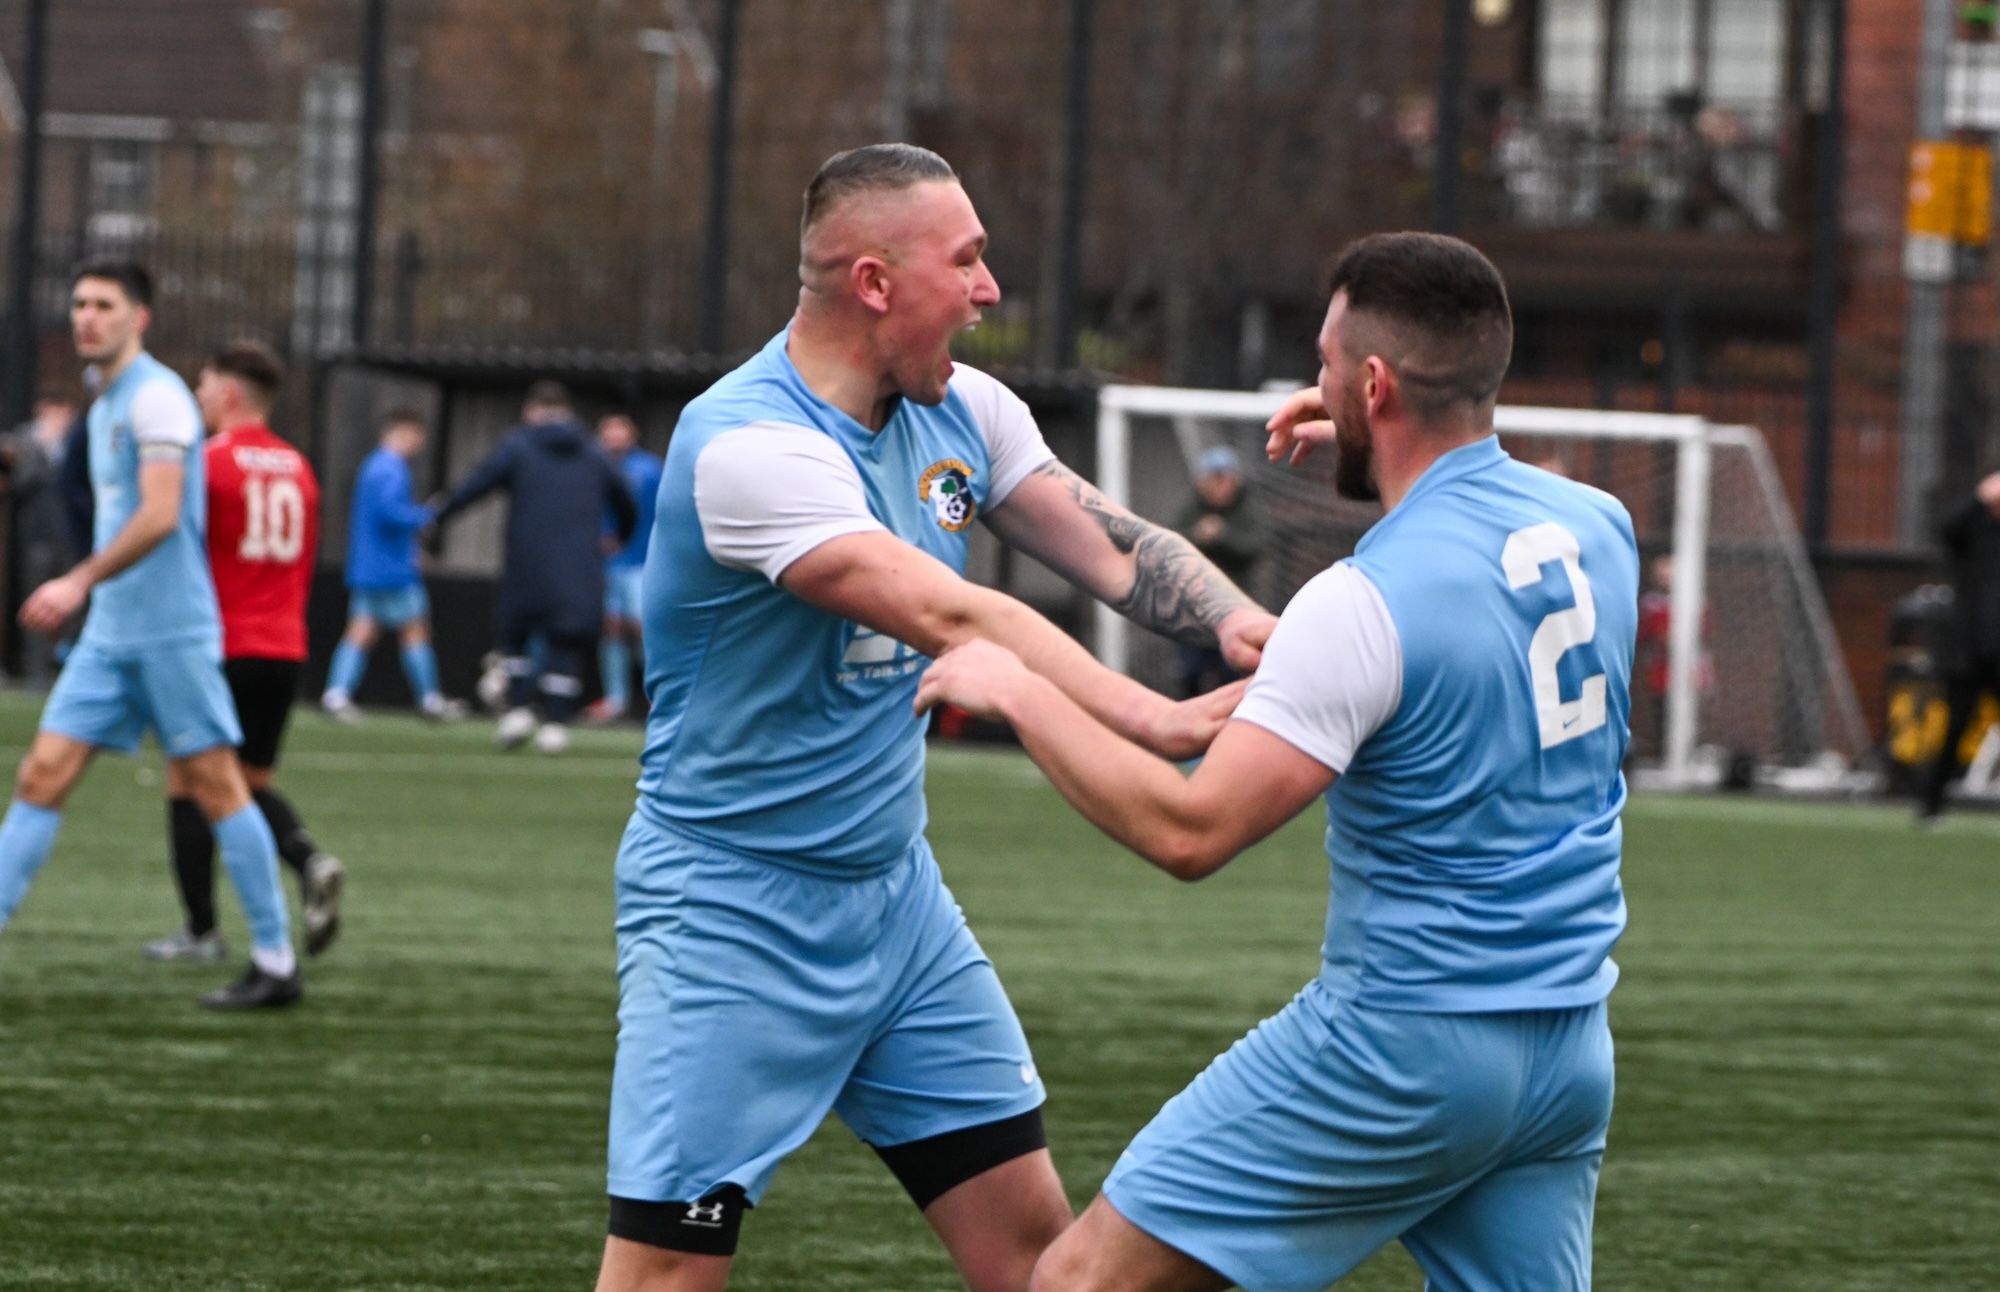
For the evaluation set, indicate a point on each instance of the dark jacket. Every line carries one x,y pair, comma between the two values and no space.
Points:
1971,537
73,483
560,488
1240,544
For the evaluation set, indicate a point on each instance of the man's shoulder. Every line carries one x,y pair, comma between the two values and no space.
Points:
147,370
987,398
743,430
971,381
752,393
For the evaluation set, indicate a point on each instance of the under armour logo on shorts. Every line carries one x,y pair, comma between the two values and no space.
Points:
707,1215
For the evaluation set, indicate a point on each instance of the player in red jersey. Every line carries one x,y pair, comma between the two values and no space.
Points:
263,527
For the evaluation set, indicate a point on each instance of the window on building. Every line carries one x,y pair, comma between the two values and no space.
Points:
121,189
1659,113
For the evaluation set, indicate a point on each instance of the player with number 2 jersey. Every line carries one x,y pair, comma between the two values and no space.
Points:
1457,693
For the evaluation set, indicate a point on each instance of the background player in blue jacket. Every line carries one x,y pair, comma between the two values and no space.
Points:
150,655
618,437
559,489
1457,692
385,580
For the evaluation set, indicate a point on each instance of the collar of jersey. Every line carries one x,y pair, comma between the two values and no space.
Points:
831,419
139,361
1465,460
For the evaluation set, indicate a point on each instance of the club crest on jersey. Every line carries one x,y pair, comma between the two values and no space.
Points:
947,487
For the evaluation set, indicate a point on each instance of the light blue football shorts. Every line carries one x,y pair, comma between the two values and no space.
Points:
622,585
389,607
1331,1130
111,698
753,998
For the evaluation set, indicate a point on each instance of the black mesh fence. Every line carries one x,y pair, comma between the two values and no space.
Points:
1162,180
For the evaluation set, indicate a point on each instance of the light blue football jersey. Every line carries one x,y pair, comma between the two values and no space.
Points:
168,596
1475,836
777,731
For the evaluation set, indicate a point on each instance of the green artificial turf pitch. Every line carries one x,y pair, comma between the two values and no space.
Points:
1808,1036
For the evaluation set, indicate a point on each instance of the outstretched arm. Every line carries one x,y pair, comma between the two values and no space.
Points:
893,587
387,499
1250,783
1144,571
483,479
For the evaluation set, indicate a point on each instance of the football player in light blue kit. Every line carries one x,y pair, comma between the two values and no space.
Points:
150,655
625,568
786,945
1457,692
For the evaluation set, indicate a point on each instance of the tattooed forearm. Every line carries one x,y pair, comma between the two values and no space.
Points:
1175,590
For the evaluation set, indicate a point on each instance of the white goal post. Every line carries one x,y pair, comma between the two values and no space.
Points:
1747,673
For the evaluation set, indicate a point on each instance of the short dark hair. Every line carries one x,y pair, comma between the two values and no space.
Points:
872,168
131,276
548,394
254,364
404,415
1447,300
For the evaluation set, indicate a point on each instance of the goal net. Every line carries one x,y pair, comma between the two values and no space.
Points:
1737,671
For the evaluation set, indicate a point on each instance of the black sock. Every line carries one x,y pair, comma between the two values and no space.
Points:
194,863
294,844
559,696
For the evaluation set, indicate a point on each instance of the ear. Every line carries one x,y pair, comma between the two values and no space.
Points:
868,278
1379,387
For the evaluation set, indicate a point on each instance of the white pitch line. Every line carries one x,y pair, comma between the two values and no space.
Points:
625,766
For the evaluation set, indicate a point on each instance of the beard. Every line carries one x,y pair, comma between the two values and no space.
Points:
1354,468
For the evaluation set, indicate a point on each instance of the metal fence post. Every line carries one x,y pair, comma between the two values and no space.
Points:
1447,160
1823,290
21,352
721,164
374,36
1065,279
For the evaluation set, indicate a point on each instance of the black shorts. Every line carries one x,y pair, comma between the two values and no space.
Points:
264,690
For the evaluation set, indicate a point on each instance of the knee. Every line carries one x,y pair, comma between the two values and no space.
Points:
42,780
1062,1268
215,783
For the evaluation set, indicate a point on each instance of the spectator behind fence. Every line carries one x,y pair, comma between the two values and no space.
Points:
385,585
43,545
559,488
1226,525
1971,537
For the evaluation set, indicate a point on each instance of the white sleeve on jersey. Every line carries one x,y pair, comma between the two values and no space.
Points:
165,423
768,493
1014,444
1332,672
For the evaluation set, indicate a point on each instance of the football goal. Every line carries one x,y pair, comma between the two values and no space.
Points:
1737,673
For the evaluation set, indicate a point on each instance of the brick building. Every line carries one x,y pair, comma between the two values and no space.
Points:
1642,172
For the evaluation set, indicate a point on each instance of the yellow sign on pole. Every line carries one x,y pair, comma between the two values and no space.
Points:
1951,191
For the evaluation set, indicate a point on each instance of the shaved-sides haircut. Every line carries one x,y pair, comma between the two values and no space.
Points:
876,168
1434,309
